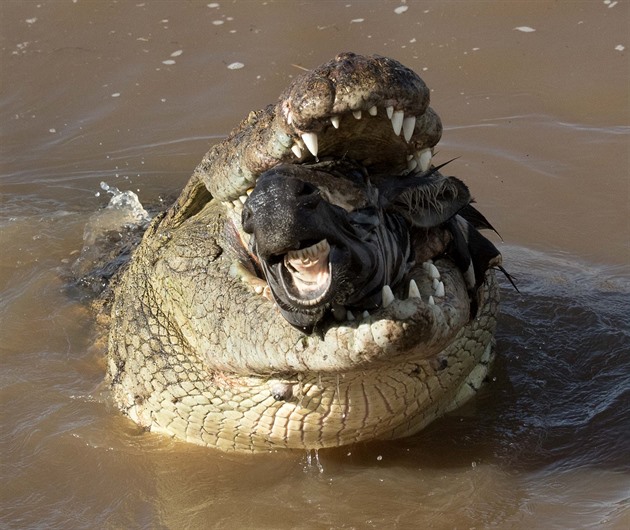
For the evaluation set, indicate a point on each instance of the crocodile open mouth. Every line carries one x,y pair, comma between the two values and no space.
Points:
349,216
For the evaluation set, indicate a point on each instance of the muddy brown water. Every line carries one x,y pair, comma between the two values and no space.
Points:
539,120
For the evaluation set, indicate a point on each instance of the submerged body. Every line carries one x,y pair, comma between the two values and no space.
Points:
317,283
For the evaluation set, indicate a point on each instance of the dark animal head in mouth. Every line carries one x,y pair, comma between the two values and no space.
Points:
328,240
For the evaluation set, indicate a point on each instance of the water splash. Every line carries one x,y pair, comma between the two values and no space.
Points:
312,461
108,237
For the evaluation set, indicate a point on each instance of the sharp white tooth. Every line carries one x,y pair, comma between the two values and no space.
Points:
365,314
390,111
431,301
411,165
433,271
310,140
469,276
435,283
408,126
249,191
349,315
373,110
397,121
424,159
413,289
335,121
237,203
356,114
425,265
439,291
242,198
387,295
296,150
290,118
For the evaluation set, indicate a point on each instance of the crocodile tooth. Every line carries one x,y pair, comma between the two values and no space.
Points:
390,111
237,203
426,265
397,121
411,165
310,140
349,315
335,121
387,296
289,118
433,271
373,110
357,114
408,126
431,301
409,157
439,290
413,289
435,283
296,150
469,276
424,159
242,198
249,191
365,314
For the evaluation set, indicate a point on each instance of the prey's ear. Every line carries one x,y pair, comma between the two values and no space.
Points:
424,199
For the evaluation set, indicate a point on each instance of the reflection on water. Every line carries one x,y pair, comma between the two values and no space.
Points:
542,144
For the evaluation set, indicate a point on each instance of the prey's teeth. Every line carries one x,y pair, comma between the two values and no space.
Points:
387,296
373,110
335,121
296,150
356,114
390,111
365,314
439,290
411,165
349,315
397,121
408,126
424,159
310,140
413,289
431,301
249,191
242,198
433,271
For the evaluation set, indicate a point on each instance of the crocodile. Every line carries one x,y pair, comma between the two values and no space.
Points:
317,283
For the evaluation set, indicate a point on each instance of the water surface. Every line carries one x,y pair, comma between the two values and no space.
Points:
133,93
